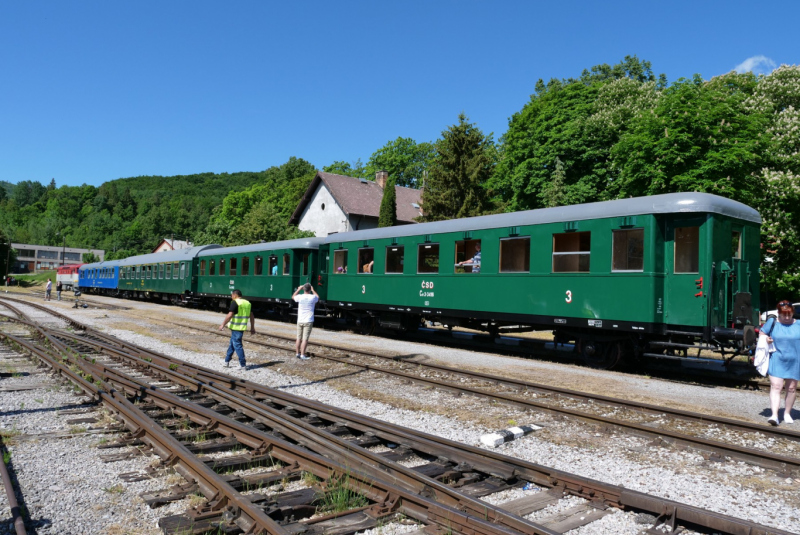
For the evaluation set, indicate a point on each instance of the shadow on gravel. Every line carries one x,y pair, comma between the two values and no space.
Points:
23,410
264,364
31,525
322,381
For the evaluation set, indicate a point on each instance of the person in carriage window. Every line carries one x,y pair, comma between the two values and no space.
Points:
475,261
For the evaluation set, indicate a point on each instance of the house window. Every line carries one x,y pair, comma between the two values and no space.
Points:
258,267
468,256
366,260
286,263
221,267
571,252
428,258
202,267
515,255
687,250
340,261
232,268
628,248
394,258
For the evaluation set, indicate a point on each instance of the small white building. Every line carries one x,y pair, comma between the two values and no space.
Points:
172,245
337,203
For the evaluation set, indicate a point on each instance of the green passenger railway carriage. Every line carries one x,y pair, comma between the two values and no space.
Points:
264,272
169,275
650,276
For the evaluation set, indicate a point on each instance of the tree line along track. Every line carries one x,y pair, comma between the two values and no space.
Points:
462,462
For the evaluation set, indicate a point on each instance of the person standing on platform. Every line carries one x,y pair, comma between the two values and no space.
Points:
48,289
305,317
58,290
239,313
784,362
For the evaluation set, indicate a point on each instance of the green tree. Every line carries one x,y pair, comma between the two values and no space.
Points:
404,159
577,121
28,192
465,159
387,217
699,137
339,167
264,223
554,194
90,258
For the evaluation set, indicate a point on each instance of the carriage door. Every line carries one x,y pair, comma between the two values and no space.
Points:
685,257
734,276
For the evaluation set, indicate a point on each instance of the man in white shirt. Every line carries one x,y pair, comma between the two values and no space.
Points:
305,317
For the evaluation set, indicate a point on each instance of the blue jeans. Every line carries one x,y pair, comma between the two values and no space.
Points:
236,345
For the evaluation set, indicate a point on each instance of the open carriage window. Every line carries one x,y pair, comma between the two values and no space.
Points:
428,258
366,260
628,246
468,256
286,263
571,252
394,258
340,261
515,255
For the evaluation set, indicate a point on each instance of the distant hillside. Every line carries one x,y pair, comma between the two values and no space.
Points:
8,186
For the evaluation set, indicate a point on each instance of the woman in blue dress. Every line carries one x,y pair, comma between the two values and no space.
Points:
784,362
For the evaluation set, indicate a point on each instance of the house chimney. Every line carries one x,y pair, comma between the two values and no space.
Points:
381,177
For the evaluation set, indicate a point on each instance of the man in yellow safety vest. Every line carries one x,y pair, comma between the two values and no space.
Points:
236,320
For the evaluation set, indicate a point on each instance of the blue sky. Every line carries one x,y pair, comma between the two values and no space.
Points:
93,91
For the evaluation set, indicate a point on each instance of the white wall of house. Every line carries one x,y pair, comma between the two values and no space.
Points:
323,215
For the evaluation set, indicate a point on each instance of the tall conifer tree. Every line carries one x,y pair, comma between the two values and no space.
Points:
465,159
388,213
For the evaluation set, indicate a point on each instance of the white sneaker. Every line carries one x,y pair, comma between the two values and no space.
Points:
787,419
303,357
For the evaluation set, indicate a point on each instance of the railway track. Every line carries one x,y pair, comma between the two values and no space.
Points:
715,437
453,473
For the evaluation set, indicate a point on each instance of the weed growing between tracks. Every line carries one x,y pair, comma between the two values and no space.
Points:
338,496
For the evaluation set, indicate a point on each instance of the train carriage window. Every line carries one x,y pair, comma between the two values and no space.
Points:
571,252
687,249
183,270
221,267
305,263
736,244
161,271
394,258
149,272
286,263
174,270
169,271
232,267
258,266
340,261
245,266
428,258
468,256
366,259
628,250
212,267
273,265
515,255
202,267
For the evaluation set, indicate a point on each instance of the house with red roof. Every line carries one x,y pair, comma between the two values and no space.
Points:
337,203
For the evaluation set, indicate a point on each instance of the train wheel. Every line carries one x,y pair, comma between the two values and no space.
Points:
174,299
601,355
365,325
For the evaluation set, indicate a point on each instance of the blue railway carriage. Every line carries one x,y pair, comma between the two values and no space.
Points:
166,276
99,277
266,273
648,276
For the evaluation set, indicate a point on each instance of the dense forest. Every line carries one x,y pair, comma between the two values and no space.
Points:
614,131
